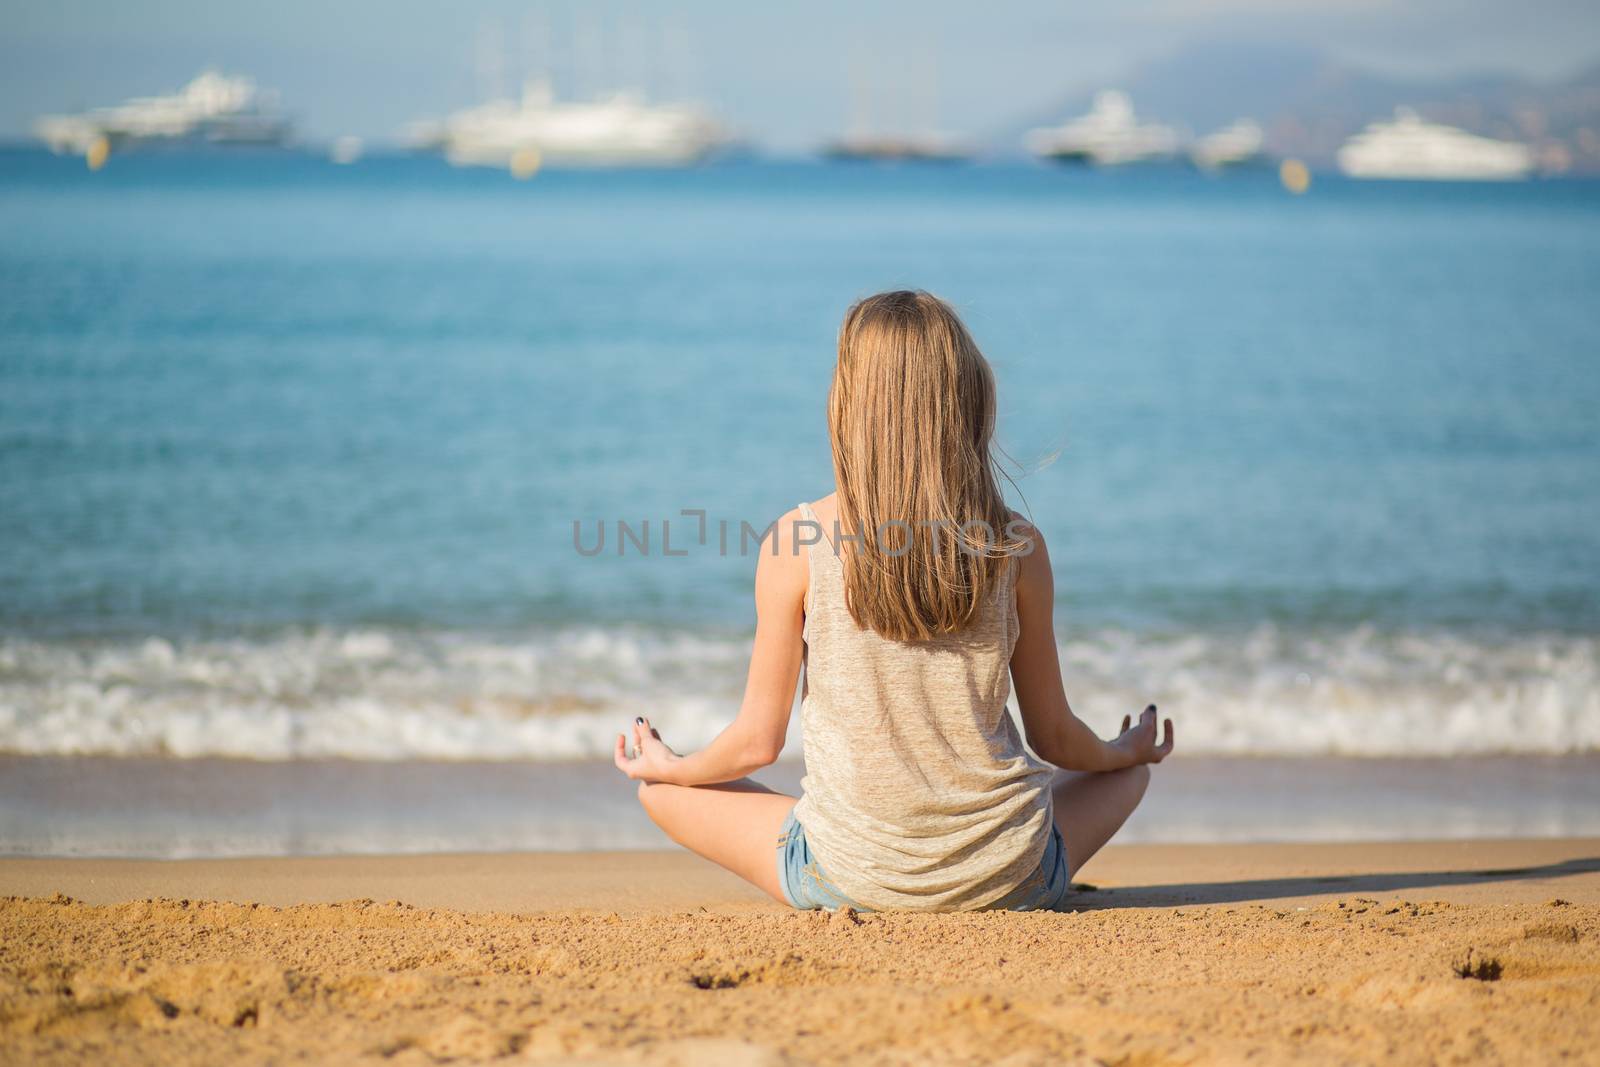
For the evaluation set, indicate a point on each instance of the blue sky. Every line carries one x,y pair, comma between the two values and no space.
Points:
782,73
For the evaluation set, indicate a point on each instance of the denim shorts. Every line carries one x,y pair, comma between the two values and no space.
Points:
807,887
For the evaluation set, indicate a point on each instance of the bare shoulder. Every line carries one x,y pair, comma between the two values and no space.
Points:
1034,561
782,566
792,533
1020,526
784,538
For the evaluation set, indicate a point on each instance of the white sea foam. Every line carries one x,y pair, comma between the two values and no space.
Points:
386,695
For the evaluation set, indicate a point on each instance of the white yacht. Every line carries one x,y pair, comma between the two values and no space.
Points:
1108,135
1408,147
618,130
1236,145
213,109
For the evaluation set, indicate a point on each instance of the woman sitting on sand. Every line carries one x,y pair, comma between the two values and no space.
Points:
908,595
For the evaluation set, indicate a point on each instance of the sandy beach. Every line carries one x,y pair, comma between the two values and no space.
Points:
1443,952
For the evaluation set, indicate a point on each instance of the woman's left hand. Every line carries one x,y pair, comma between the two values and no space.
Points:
651,761
1137,742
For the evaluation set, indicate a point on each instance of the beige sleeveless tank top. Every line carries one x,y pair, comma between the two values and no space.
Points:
918,791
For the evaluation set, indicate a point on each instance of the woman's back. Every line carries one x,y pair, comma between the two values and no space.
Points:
918,790
919,793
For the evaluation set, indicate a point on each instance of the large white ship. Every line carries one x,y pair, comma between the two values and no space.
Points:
213,109
1110,134
1408,147
1239,144
617,130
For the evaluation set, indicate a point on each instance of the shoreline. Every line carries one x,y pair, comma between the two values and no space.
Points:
1484,951
196,808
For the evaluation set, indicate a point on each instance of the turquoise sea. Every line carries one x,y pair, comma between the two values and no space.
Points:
291,453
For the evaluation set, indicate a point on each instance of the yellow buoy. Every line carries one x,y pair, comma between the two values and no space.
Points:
98,152
1295,175
524,163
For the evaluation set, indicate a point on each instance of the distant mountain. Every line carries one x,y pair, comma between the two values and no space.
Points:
1309,102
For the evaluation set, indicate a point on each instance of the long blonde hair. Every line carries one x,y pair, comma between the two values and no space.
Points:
911,419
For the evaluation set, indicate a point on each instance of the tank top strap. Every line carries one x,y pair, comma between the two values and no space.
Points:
820,543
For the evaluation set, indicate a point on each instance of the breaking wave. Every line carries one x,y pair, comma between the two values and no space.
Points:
375,694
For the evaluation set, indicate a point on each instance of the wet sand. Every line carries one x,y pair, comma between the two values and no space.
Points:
1385,953
178,808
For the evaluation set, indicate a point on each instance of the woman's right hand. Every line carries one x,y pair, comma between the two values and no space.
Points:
1137,742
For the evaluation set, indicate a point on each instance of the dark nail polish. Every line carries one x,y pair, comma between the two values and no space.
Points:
639,719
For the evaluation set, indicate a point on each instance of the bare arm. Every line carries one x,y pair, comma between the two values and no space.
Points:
1053,731
755,737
